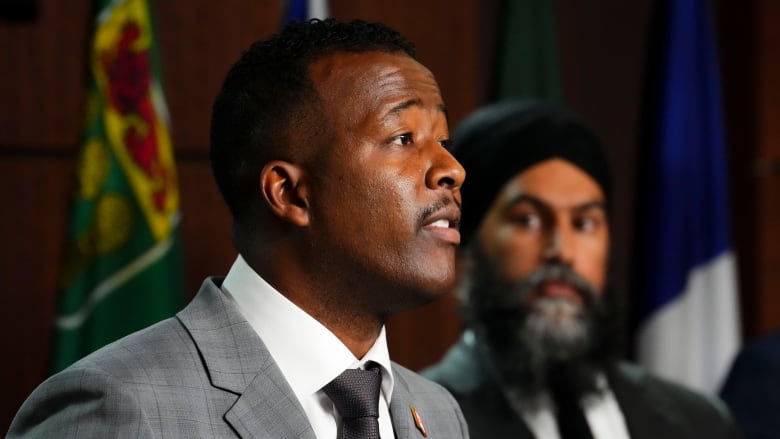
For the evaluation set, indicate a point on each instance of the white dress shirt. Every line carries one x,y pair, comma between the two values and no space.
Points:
309,355
602,413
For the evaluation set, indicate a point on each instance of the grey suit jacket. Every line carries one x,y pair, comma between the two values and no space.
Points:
203,373
652,407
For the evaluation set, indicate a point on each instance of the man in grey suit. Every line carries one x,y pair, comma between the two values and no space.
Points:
538,358
328,145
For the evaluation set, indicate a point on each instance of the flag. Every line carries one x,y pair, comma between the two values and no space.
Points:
527,52
123,268
686,311
301,10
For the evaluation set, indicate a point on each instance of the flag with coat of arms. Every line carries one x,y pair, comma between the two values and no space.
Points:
123,266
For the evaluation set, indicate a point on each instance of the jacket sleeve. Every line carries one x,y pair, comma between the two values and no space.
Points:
80,403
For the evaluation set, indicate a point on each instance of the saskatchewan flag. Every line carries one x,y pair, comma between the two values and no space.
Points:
123,266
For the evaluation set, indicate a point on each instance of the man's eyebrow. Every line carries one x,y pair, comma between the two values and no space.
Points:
528,198
403,106
443,109
414,102
595,204
541,204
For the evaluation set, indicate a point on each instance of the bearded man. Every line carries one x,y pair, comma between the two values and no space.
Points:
537,359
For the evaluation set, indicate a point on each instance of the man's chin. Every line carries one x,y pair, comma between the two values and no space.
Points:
556,313
407,297
543,348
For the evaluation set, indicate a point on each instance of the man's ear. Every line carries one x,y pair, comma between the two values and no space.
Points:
285,188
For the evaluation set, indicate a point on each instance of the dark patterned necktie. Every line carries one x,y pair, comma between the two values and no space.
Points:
570,418
355,393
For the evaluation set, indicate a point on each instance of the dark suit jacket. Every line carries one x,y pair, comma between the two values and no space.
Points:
204,373
752,388
653,408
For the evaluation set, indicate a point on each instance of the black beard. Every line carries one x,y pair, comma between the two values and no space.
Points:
529,351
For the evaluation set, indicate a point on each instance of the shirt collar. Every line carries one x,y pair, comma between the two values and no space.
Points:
308,354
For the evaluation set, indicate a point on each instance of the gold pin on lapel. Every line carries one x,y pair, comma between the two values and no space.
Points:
417,421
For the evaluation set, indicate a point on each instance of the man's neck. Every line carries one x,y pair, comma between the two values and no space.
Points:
333,306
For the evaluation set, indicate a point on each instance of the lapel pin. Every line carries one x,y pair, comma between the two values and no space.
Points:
417,421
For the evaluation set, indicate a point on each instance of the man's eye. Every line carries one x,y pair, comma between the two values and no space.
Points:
403,139
445,143
529,221
585,224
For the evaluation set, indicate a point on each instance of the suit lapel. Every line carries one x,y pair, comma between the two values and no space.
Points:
401,409
268,409
400,413
238,362
647,412
636,414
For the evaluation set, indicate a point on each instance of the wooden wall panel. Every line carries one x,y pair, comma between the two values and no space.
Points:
206,225
602,50
768,85
766,317
199,42
42,76
34,193
767,166
751,69
739,47
449,38
419,337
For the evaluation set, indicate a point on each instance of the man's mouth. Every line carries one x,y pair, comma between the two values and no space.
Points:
558,289
443,224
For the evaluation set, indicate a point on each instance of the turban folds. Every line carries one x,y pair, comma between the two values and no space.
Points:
497,142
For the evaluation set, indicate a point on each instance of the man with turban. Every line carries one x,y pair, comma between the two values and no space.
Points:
537,359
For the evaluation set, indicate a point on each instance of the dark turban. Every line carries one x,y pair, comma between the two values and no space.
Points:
497,142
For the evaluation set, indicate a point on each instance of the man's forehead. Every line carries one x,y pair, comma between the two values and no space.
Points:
555,183
382,70
380,84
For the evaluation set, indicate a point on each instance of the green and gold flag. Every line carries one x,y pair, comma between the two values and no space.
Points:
527,52
123,267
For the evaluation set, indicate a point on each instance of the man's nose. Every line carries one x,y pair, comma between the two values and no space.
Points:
559,246
445,171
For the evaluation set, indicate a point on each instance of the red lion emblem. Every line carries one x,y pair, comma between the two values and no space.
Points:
129,81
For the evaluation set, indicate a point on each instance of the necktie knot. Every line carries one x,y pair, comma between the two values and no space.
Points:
355,393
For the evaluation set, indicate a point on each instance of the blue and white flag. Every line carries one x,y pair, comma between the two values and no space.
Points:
301,10
686,290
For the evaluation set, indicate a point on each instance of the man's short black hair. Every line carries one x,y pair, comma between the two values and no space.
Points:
268,95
